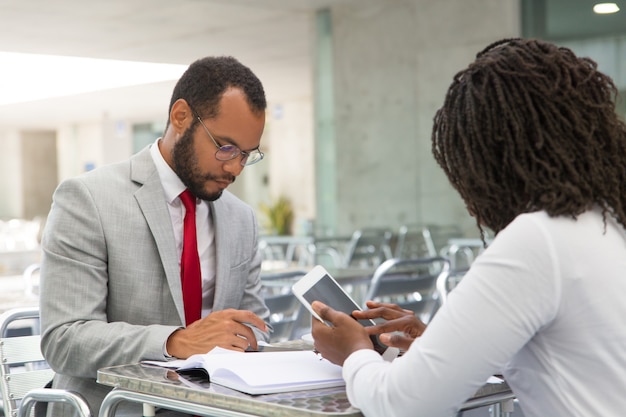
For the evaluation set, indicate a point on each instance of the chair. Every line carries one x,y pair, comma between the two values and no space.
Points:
23,370
285,308
410,283
330,251
463,251
438,237
413,243
368,247
31,280
286,250
446,283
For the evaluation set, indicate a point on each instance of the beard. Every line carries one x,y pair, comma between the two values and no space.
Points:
185,161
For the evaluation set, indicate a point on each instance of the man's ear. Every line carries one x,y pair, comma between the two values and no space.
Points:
181,116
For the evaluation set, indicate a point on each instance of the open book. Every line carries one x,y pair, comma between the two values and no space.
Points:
262,372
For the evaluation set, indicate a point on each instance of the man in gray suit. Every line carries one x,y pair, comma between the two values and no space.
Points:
111,285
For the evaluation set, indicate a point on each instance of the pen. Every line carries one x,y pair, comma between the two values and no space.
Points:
271,348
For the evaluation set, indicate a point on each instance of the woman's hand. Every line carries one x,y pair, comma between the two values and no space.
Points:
397,320
337,342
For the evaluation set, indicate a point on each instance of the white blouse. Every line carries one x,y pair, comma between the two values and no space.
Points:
545,304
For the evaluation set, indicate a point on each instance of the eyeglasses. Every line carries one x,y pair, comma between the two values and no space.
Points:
228,152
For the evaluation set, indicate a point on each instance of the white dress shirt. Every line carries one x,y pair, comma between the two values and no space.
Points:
173,186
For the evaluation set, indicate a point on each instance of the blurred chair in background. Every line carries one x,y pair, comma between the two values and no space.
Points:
448,241
463,251
23,371
281,252
414,241
438,236
410,283
285,308
369,247
446,283
19,244
19,234
330,251
460,256
31,281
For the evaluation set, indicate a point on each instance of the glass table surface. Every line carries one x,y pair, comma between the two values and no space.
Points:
166,384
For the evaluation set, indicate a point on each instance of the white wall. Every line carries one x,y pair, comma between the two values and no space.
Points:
10,175
287,169
291,170
85,145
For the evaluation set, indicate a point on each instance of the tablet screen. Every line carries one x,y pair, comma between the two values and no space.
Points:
328,292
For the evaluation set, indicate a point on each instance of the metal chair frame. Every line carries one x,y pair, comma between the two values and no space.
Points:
24,372
369,247
410,283
285,308
414,241
449,281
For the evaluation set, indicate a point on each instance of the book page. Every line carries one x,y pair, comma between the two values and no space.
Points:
263,372
273,368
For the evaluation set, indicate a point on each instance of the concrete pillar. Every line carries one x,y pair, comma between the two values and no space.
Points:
39,172
392,62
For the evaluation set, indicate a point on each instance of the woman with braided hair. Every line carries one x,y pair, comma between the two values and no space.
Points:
529,137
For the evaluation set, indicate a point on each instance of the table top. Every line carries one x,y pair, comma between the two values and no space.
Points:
162,382
326,402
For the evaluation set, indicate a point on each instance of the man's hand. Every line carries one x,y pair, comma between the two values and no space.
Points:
345,336
222,328
397,320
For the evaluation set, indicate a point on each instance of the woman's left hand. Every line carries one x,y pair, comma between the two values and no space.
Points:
337,342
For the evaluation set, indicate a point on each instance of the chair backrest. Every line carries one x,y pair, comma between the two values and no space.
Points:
369,247
446,283
410,283
23,367
330,251
462,252
413,242
285,308
286,251
31,281
439,235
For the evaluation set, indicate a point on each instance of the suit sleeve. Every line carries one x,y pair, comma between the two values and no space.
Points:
78,334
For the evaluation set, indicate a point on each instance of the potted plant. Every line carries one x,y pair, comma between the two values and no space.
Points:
278,215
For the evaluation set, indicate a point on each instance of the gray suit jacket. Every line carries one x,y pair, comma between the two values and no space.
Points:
110,277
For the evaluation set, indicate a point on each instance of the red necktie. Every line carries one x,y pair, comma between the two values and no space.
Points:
190,262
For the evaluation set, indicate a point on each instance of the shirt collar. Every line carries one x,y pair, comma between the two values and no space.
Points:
172,185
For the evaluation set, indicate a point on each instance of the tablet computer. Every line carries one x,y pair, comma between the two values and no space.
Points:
319,285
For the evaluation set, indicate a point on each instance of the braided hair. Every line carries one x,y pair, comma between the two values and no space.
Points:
529,126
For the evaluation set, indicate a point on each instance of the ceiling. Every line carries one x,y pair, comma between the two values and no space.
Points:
273,37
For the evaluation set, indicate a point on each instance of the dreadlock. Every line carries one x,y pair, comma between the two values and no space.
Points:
529,126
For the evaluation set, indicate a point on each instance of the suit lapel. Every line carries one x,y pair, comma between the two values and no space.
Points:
152,203
222,257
